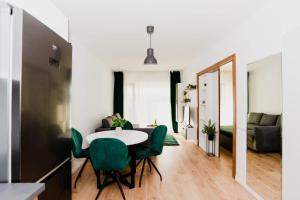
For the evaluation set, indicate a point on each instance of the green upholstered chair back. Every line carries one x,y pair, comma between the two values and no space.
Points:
157,138
128,126
76,143
109,154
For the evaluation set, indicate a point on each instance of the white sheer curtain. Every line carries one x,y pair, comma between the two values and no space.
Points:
147,98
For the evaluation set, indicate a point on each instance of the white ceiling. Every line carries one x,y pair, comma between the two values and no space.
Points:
115,30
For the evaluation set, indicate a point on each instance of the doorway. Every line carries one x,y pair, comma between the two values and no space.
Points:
226,114
208,82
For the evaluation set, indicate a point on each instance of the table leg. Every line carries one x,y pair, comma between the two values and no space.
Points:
132,172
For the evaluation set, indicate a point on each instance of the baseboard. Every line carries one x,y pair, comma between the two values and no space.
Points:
251,191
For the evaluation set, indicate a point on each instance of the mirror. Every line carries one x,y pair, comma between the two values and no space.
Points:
264,127
216,89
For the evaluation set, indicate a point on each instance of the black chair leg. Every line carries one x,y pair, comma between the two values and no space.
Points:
105,180
140,182
98,194
149,165
80,172
98,175
119,184
139,162
155,168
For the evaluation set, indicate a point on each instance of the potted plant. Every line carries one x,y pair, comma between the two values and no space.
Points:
209,129
186,99
118,123
191,87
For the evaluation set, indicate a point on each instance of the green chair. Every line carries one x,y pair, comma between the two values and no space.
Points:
155,147
111,156
128,126
78,152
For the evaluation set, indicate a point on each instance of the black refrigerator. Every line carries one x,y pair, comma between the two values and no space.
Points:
39,80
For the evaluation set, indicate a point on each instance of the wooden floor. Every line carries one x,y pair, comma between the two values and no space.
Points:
264,174
187,174
226,159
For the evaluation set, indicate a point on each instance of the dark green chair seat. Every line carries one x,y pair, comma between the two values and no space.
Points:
78,152
84,153
110,155
142,152
155,147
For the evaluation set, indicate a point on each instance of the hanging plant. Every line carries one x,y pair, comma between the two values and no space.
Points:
191,87
186,99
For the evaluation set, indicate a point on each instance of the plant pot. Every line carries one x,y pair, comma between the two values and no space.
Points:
118,130
211,137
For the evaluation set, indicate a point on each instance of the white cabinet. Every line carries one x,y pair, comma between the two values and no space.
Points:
191,134
179,102
182,129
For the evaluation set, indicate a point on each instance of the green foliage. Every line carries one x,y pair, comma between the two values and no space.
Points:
209,128
119,122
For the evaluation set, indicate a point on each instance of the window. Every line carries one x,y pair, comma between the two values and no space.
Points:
147,98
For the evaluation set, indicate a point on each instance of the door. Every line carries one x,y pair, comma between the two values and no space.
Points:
209,108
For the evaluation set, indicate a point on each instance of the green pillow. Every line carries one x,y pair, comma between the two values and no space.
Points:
254,118
268,120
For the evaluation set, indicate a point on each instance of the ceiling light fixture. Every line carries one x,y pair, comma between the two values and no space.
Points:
150,59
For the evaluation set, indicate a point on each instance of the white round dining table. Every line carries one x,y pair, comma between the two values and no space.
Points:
129,137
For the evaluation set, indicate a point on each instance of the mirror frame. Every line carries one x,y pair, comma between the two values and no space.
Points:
213,68
246,178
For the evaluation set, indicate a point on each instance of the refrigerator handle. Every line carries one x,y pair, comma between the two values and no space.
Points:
54,58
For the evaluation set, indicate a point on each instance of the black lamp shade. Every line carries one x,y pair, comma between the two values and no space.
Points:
150,59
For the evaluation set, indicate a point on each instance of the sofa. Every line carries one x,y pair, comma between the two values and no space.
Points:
107,125
264,132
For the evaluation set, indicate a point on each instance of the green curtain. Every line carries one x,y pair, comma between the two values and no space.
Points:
174,79
118,93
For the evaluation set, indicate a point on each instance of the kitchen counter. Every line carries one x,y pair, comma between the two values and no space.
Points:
21,191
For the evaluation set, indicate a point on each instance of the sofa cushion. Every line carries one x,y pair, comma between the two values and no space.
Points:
254,118
250,133
252,126
117,115
268,120
278,123
107,122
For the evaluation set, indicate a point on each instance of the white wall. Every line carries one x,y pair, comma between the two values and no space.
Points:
47,13
291,110
92,92
265,85
258,37
261,36
5,162
210,109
